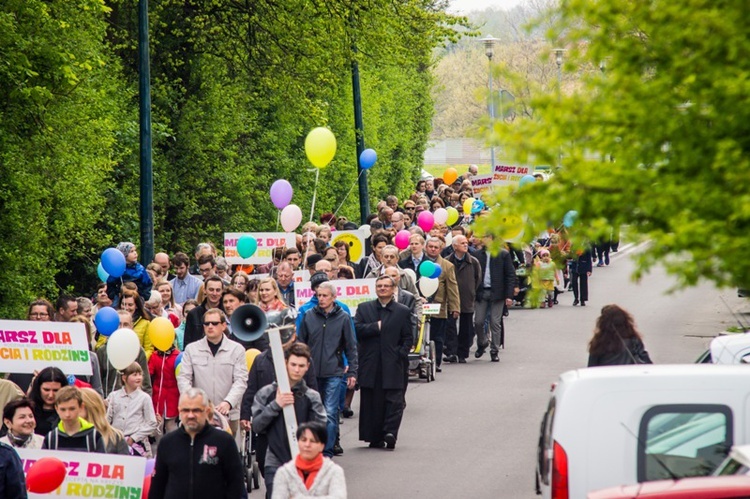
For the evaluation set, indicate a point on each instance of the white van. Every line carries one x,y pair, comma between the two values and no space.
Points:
609,426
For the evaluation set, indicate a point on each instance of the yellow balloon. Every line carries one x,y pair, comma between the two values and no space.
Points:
250,357
511,229
320,146
177,370
452,215
161,332
467,205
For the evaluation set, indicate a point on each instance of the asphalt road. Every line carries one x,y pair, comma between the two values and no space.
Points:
473,432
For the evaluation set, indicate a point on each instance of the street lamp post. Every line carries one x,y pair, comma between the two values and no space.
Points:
489,49
559,60
147,176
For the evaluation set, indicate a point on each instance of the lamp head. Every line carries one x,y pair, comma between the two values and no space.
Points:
489,46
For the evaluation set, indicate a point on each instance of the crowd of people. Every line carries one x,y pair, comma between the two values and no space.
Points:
151,408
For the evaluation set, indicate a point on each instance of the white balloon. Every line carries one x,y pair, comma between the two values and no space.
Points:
123,347
366,230
428,286
291,217
411,274
449,239
440,216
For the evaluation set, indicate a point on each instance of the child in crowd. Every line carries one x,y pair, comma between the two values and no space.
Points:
166,395
134,272
180,330
130,410
547,276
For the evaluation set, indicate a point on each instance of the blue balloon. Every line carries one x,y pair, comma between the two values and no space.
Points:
436,273
477,206
368,158
113,262
527,179
570,218
106,320
101,273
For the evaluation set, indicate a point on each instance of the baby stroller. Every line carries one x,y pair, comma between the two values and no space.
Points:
422,356
249,464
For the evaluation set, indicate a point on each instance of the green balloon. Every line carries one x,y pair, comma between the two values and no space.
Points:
246,246
426,268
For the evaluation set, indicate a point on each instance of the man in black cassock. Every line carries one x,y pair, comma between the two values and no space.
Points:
384,335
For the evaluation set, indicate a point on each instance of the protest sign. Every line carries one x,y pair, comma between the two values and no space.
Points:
430,308
92,474
301,275
352,292
481,184
355,239
509,175
28,346
267,242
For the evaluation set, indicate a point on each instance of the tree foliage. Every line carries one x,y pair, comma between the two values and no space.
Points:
236,86
657,141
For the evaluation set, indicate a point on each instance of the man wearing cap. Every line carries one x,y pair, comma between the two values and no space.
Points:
134,272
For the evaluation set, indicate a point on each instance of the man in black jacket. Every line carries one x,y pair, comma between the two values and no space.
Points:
495,292
197,460
267,410
12,480
213,288
327,330
384,333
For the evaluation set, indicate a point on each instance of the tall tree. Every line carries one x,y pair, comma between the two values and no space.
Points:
658,140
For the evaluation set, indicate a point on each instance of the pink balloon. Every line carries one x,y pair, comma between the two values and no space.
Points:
402,239
281,194
440,215
426,220
291,217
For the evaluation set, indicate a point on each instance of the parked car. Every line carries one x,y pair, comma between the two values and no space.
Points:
710,487
727,349
608,426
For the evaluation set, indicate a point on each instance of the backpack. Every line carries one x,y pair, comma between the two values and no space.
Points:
90,440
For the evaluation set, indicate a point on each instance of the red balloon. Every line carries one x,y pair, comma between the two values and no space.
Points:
146,486
45,475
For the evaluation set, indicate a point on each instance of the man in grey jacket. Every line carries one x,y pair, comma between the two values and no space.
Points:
328,331
268,406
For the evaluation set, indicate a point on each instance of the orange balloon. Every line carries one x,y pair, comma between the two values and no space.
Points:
450,175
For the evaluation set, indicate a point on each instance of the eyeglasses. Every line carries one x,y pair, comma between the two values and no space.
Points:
211,323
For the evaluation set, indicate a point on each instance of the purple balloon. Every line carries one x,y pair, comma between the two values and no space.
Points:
281,194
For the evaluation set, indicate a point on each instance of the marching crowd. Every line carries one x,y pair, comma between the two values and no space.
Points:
189,405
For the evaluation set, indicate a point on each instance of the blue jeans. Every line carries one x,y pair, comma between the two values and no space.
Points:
330,389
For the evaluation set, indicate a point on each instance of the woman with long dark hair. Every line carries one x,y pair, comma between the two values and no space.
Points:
616,341
43,390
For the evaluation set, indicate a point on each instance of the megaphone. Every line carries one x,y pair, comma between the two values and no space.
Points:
249,322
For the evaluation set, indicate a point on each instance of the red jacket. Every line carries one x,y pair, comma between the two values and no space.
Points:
166,395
